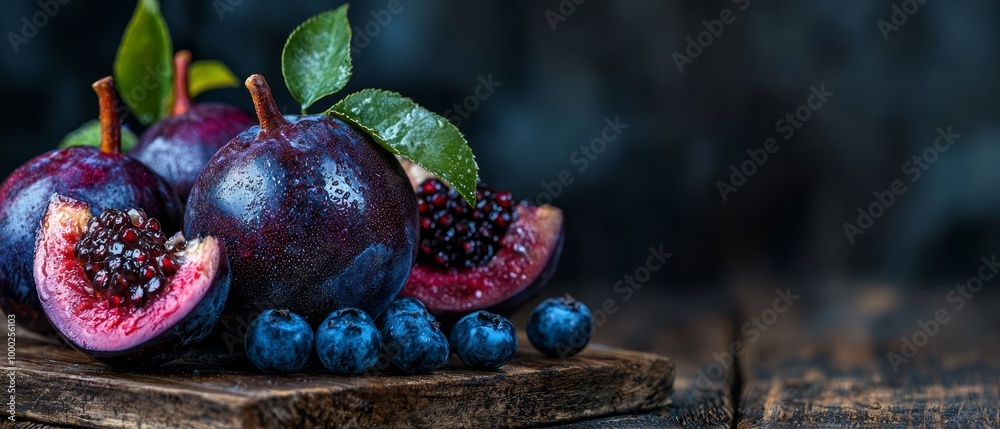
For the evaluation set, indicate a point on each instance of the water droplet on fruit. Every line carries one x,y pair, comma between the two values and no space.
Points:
479,294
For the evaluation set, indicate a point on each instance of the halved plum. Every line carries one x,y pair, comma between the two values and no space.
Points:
496,254
118,291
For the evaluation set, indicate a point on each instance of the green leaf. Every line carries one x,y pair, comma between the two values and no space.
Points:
144,69
413,132
316,60
89,134
206,75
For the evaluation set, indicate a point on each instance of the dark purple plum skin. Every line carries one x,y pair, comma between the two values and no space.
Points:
101,180
178,147
315,216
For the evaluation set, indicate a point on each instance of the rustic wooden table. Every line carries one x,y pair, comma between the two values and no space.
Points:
810,355
824,362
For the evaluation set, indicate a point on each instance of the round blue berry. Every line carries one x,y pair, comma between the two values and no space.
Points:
560,327
414,345
407,305
484,340
347,342
279,341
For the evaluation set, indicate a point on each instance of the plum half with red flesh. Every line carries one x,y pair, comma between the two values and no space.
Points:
116,289
496,254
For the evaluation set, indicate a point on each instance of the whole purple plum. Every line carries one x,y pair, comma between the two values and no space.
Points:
178,147
315,215
103,178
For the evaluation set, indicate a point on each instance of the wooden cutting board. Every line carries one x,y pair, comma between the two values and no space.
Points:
57,385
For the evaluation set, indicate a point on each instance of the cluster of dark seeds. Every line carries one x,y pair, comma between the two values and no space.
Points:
453,234
125,256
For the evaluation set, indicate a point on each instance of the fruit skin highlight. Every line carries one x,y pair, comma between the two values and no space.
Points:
414,344
405,306
279,341
411,337
180,315
560,327
483,340
347,342
525,258
315,214
179,146
103,178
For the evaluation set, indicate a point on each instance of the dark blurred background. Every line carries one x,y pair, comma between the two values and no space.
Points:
566,69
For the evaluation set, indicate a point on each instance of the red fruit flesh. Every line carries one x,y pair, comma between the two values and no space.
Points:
525,261
125,257
165,325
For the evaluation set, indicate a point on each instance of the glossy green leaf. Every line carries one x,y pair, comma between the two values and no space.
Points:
89,134
144,69
206,75
413,132
316,60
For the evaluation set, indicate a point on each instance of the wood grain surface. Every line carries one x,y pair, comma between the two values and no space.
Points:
691,330
58,386
826,362
822,362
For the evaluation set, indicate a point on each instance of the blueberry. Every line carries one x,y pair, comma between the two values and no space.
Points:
484,340
411,306
414,344
347,342
560,327
279,341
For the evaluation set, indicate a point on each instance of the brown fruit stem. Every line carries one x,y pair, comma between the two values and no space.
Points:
111,124
267,112
182,98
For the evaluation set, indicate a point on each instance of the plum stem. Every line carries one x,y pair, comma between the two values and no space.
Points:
267,111
182,98
111,124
